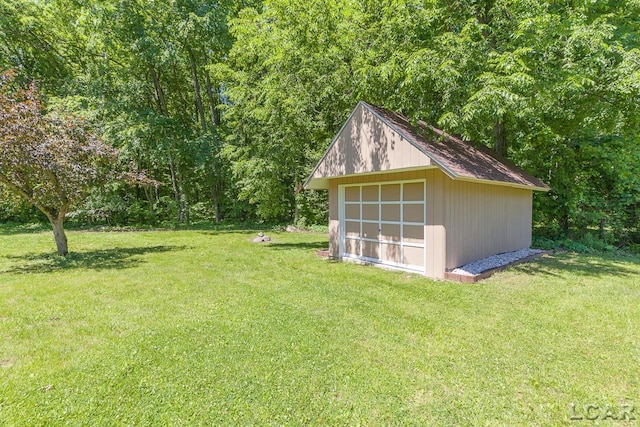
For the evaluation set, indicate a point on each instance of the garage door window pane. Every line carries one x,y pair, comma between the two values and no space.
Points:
371,250
370,193
390,232
352,211
352,194
391,212
391,193
370,230
414,213
352,247
370,212
352,229
390,253
413,234
413,191
413,256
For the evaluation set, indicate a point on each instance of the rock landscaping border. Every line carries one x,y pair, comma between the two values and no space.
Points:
469,273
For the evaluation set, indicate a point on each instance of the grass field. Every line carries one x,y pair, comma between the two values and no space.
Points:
206,328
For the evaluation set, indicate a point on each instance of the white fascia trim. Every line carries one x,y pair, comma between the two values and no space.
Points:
502,183
382,172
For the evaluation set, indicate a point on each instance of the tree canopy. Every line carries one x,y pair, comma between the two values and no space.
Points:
228,105
49,160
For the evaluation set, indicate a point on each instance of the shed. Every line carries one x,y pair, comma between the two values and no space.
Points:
411,196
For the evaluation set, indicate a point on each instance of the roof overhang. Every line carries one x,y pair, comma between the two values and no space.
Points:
323,183
502,183
319,179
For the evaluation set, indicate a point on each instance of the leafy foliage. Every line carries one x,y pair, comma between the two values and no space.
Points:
227,106
555,88
48,160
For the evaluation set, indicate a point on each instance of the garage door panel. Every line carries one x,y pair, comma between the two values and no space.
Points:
390,193
413,213
413,256
352,194
370,193
370,249
390,232
370,230
352,229
352,212
413,192
370,212
391,253
391,212
413,234
352,247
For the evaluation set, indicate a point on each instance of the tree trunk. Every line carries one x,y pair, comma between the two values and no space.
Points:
176,83
297,189
175,187
212,103
216,191
196,90
564,224
160,99
182,202
500,137
60,237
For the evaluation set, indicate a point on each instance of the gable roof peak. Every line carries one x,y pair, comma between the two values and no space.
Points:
366,147
456,157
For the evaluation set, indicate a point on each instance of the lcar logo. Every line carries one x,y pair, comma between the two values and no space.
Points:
592,412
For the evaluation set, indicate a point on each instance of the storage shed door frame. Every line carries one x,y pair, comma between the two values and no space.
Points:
358,222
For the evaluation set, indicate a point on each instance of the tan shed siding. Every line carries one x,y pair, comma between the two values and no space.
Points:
436,243
483,220
334,223
465,221
366,144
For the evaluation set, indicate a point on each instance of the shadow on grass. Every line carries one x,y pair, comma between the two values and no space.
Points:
10,229
580,265
228,232
13,228
104,259
320,244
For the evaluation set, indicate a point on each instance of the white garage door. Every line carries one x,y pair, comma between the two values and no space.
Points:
384,223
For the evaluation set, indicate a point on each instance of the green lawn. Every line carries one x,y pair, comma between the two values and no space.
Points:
205,327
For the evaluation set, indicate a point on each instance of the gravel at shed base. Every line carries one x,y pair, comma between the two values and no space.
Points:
494,261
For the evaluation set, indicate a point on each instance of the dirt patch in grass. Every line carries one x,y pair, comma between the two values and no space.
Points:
6,363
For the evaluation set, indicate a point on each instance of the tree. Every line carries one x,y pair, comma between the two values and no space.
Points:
552,86
229,105
48,160
140,70
290,81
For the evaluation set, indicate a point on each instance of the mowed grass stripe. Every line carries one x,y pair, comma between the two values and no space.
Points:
205,327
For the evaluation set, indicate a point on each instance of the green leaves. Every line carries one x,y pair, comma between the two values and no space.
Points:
49,160
231,104
290,85
527,76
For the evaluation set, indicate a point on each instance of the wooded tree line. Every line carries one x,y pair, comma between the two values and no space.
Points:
228,105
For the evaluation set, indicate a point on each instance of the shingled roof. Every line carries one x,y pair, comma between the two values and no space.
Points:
455,157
